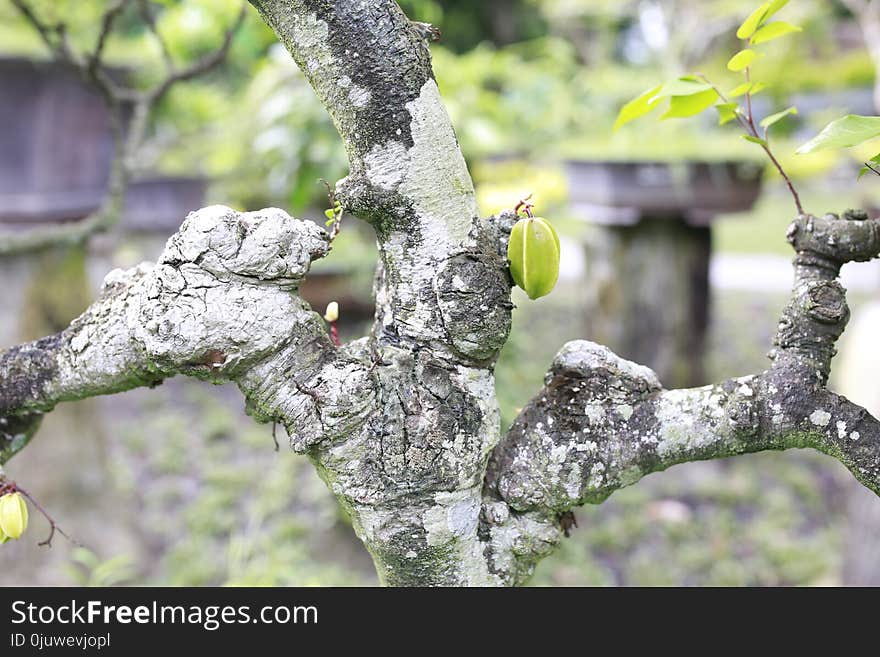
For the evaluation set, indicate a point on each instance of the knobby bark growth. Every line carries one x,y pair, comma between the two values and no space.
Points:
403,424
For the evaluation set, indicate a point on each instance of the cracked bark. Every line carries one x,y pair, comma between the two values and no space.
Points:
403,424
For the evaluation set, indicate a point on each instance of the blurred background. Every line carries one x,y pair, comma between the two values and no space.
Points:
673,254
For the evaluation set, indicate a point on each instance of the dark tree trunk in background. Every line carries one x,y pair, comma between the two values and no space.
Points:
502,18
650,295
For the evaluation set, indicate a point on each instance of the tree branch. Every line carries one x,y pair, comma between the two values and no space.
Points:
150,21
371,68
410,476
53,36
200,66
220,304
129,108
107,20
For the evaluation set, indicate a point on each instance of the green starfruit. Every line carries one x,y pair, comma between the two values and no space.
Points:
13,515
533,251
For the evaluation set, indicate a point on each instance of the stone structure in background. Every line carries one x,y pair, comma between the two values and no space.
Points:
648,257
56,141
54,168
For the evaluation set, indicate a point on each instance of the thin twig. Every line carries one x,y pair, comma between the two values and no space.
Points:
766,143
750,116
524,205
55,235
789,184
129,110
748,125
337,215
150,21
55,39
107,21
12,487
203,65
58,46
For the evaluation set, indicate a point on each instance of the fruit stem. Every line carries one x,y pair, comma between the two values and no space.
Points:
12,487
525,206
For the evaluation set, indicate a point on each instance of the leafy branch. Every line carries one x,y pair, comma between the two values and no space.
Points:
692,94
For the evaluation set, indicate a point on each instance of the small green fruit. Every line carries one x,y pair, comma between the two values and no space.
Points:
13,515
533,251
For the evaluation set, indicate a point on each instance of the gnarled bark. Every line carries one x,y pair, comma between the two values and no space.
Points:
401,424
602,423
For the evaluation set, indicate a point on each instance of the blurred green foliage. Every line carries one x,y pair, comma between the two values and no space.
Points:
213,503
267,144
465,24
537,78
87,569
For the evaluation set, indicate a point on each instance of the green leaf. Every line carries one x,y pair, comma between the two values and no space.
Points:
875,164
741,60
776,118
726,112
687,85
848,131
775,6
753,22
681,107
755,140
330,214
748,87
773,31
638,107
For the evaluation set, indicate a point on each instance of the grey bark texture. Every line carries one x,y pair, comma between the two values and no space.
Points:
403,424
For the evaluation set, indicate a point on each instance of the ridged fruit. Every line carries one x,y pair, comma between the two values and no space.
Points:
533,251
13,515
